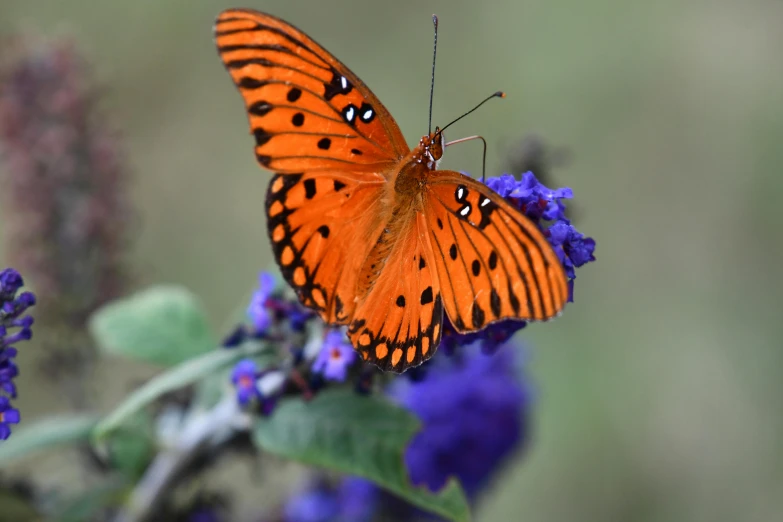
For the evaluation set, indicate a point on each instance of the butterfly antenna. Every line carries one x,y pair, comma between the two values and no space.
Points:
499,94
432,83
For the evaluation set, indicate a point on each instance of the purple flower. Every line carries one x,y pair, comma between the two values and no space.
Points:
8,371
572,247
244,378
12,307
298,316
335,357
357,498
259,310
503,184
473,417
534,199
8,415
538,203
353,500
316,504
490,339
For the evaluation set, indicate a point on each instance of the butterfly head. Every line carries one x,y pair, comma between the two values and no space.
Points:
431,147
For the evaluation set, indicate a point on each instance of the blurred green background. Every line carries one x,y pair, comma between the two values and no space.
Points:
659,390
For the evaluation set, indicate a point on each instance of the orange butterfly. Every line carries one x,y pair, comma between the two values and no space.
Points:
365,230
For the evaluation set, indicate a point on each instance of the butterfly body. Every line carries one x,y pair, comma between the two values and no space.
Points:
367,231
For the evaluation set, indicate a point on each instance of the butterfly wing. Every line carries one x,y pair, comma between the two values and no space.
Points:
493,262
397,323
322,225
331,143
307,110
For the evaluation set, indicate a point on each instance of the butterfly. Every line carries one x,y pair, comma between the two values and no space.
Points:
367,232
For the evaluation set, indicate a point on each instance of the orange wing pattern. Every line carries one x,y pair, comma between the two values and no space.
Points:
397,324
385,263
494,263
306,110
322,225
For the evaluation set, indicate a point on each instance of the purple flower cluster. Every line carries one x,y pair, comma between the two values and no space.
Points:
473,412
13,305
542,204
545,207
271,316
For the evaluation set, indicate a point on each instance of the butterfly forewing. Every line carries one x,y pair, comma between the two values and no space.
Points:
494,263
307,111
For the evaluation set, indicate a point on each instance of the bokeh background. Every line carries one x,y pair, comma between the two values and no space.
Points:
659,390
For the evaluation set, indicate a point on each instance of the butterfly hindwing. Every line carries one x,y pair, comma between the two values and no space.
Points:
494,263
321,226
307,111
397,323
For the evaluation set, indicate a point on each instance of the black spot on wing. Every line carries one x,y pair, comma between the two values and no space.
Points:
261,136
339,84
309,186
486,208
366,113
293,94
512,298
495,303
426,296
251,84
477,316
260,108
349,113
493,260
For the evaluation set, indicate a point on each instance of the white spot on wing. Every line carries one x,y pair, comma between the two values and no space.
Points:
460,191
464,211
344,82
349,114
485,202
367,114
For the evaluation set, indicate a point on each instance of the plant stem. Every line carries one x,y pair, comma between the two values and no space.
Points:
201,430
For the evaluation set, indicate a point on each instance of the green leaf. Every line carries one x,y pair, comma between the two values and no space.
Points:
133,446
182,375
364,436
45,434
164,325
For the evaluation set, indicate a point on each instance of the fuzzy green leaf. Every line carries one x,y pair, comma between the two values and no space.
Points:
163,325
45,434
364,436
